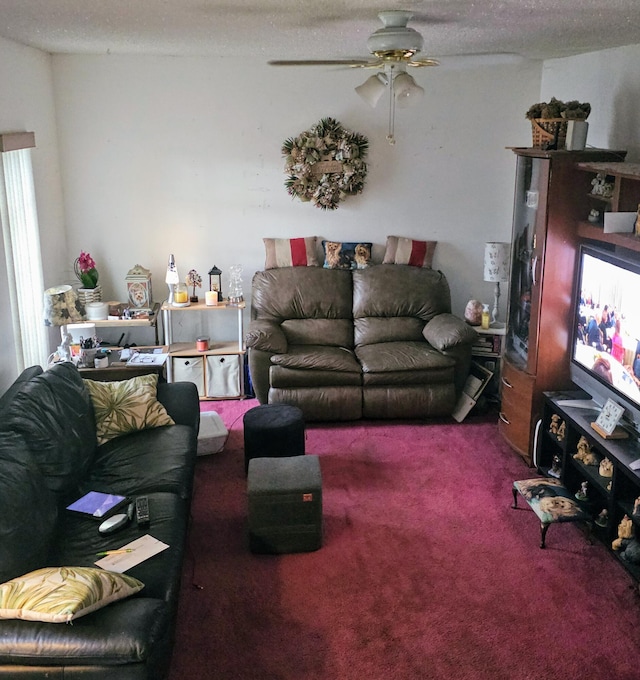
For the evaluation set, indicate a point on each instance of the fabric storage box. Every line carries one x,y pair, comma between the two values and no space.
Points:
212,435
284,504
223,375
189,369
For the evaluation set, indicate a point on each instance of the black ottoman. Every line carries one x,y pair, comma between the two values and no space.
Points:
284,504
273,431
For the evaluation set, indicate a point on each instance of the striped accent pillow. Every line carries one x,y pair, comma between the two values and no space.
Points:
290,252
402,250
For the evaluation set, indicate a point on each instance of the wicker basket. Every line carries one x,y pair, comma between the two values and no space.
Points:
549,132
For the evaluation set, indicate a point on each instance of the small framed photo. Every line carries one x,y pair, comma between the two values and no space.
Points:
609,416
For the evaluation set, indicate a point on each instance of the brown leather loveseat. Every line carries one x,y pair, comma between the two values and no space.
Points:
378,342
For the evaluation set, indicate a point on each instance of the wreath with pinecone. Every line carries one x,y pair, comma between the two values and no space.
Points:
325,164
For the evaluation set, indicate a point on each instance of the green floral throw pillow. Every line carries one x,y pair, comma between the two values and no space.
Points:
124,406
60,594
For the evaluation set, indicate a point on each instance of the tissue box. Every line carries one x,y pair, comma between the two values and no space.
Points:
213,434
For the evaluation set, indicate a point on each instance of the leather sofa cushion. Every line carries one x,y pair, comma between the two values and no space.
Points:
144,461
266,335
390,357
318,358
79,542
301,293
373,330
54,415
337,332
281,377
29,513
395,291
123,632
446,331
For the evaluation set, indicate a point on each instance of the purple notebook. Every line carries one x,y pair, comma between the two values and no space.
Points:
97,504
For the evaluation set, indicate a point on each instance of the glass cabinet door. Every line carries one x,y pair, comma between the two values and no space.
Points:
529,214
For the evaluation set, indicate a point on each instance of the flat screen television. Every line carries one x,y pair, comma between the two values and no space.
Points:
605,353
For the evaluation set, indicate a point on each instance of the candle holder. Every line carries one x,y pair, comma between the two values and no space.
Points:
216,285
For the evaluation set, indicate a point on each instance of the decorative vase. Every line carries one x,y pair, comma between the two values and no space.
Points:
86,295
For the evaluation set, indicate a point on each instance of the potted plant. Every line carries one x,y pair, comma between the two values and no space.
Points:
549,121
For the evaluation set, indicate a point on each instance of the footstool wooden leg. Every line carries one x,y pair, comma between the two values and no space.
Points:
514,491
543,533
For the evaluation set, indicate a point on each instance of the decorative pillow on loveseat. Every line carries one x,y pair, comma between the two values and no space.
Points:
342,255
124,406
61,594
401,250
290,252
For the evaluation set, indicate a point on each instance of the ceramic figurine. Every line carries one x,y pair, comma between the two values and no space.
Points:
606,468
561,431
555,470
553,429
582,494
603,518
584,453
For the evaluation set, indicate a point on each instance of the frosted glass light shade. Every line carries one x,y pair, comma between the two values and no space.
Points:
372,89
407,91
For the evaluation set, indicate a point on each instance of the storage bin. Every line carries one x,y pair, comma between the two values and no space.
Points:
189,369
223,375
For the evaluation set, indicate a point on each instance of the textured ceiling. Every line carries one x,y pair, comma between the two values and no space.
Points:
297,29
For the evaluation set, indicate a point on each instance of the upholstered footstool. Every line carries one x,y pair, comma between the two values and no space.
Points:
284,504
273,431
551,501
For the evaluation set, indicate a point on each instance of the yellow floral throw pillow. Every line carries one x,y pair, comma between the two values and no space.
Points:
124,406
60,594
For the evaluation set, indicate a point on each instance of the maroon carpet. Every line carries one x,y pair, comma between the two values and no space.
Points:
426,571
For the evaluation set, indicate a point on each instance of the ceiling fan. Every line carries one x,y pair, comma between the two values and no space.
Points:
393,48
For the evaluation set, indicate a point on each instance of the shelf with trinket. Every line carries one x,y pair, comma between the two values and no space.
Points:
602,474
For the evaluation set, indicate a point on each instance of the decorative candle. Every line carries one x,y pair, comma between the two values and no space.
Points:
202,344
181,295
211,297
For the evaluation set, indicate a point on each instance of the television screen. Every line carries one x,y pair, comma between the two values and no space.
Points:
606,349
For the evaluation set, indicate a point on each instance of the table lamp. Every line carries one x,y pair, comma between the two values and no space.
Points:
172,278
496,270
62,307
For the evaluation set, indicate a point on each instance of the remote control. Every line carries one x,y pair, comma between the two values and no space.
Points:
142,511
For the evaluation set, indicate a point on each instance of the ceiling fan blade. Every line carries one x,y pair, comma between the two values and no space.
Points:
423,62
321,62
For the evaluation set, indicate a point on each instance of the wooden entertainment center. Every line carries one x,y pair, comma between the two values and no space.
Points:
551,206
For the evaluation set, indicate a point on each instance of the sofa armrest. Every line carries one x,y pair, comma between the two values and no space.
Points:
182,402
267,336
446,331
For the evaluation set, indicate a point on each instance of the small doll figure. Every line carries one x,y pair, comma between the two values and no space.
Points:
561,431
603,518
582,494
555,470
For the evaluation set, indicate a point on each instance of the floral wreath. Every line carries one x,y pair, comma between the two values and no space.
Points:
325,164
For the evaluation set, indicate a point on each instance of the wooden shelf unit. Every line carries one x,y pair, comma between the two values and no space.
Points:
204,361
614,494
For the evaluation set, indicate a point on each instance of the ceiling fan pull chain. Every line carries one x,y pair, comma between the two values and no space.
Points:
392,109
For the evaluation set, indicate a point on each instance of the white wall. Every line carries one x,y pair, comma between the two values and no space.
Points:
610,81
162,155
182,155
27,105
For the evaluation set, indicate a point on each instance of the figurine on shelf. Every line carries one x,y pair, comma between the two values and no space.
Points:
606,468
636,508
553,429
193,279
555,470
625,533
582,494
603,518
561,431
600,186
584,453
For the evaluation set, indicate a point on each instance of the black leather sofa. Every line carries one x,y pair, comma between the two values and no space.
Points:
49,457
378,342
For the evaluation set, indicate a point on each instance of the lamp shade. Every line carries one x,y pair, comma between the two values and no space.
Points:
496,262
406,90
373,88
61,306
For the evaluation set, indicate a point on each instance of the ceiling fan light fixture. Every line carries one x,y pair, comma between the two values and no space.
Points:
406,90
373,88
